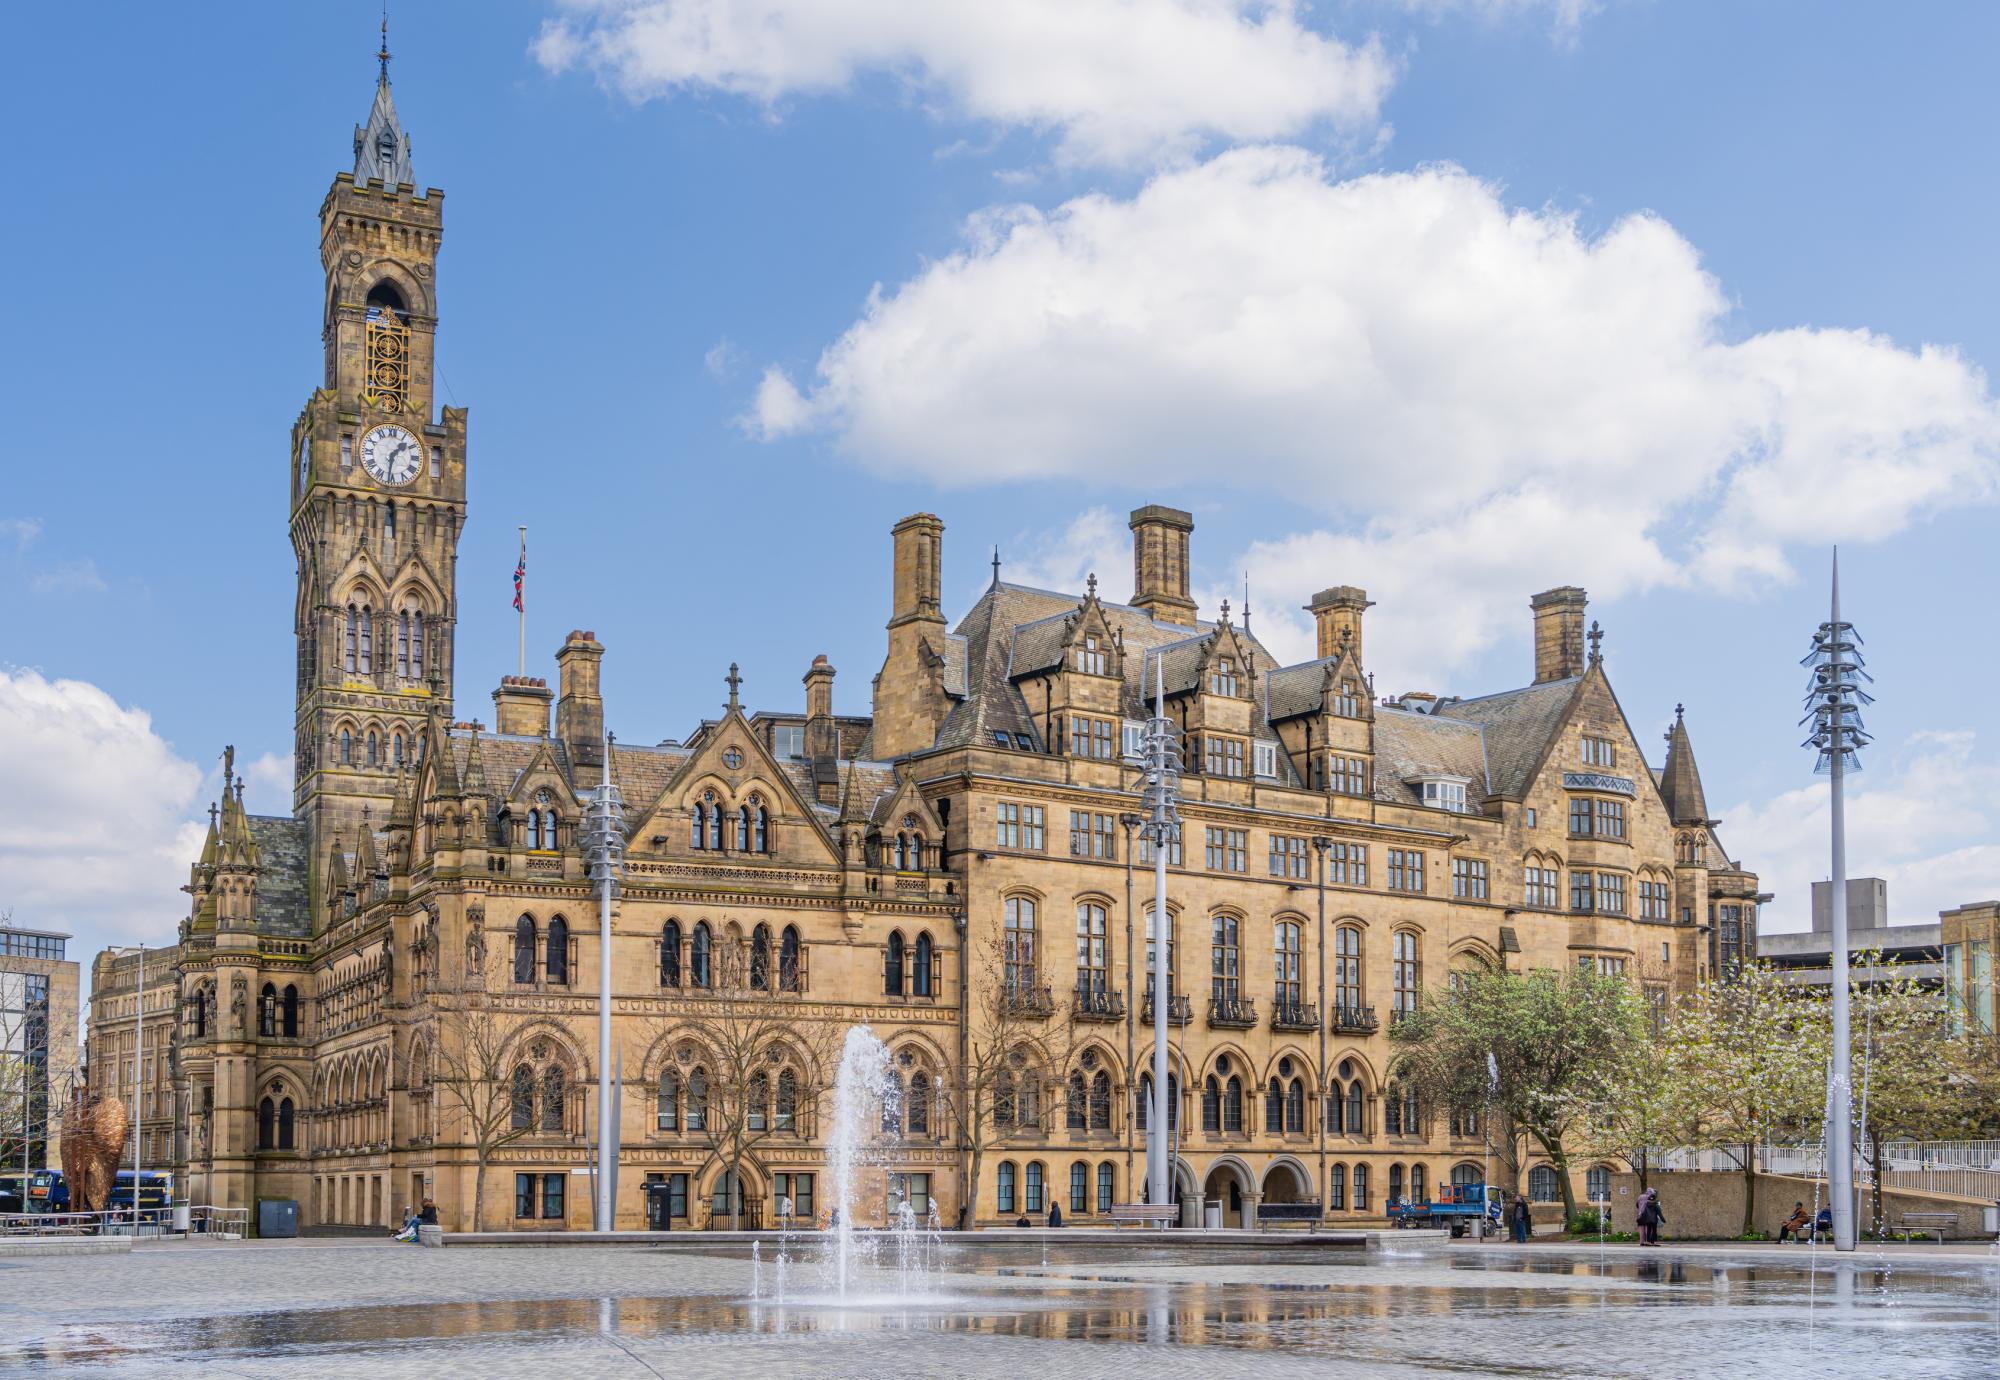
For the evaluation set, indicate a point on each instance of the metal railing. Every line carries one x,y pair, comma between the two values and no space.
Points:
1350,1020
1026,999
1294,1015
180,1219
1235,1013
1099,1004
1179,1009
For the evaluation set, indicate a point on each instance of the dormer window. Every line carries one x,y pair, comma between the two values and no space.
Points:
1222,680
1090,657
1346,703
1444,793
1266,759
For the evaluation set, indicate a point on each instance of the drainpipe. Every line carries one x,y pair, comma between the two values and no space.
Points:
1131,823
1321,844
968,1210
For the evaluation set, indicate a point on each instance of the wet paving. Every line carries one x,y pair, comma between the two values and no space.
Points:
361,1310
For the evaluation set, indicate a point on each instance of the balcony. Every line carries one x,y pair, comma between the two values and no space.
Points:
1025,999
1179,1010
1098,1004
1232,1013
1342,1019
1294,1015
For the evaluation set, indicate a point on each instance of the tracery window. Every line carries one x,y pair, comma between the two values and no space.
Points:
670,954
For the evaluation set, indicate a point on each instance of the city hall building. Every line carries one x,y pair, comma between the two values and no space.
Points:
398,979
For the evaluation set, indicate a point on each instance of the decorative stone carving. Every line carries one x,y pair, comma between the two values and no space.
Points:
239,1005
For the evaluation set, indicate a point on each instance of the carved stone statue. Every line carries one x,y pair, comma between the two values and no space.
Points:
239,1005
208,1000
93,1143
475,940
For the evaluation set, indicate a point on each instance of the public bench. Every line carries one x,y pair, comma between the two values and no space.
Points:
1309,1213
1149,1214
1936,1222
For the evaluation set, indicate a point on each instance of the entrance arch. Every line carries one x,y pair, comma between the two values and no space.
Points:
1287,1181
1231,1186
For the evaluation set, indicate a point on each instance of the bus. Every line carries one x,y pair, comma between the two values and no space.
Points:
156,1190
48,1191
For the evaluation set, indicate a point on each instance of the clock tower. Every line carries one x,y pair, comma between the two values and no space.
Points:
378,496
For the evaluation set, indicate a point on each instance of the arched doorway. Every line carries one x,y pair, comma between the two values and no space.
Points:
1286,1182
1229,1188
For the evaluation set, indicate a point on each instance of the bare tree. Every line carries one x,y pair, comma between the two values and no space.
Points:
468,1052
1017,1046
743,1066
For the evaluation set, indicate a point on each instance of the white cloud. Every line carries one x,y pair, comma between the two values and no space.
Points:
1565,17
268,784
71,577
1920,816
722,359
1462,397
97,824
20,531
1118,81
1096,543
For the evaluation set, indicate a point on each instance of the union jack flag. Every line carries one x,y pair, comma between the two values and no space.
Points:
520,574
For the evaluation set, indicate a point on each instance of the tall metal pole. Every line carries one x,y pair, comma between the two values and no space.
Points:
1833,707
138,1087
1842,1129
1162,827
604,846
1321,845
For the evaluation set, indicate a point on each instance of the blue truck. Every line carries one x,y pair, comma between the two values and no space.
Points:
1456,1207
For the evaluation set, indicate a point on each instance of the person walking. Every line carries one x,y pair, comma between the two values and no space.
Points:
1650,1216
1055,1213
1522,1219
1789,1229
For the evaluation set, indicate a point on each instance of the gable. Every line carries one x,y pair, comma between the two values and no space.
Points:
729,769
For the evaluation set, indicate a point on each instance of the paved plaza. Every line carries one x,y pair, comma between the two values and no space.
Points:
362,1309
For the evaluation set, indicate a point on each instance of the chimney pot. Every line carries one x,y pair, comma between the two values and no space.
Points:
1559,643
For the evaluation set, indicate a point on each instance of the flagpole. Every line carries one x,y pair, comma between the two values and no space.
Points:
521,606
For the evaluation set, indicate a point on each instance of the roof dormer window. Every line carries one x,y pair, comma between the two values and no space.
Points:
1346,703
1444,792
1222,680
1090,657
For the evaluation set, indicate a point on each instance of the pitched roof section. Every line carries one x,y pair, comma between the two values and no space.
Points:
1409,746
283,907
381,149
1680,779
1518,725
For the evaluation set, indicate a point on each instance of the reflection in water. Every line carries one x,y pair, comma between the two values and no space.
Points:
1539,1314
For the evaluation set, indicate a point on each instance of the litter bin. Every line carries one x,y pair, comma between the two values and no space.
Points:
181,1218
1992,1216
1211,1216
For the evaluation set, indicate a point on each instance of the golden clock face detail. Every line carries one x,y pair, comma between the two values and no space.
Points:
391,455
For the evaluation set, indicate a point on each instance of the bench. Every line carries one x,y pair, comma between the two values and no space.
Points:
1152,1214
1309,1213
1938,1222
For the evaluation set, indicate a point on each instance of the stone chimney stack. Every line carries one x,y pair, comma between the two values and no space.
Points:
1337,616
1559,648
910,700
820,737
580,709
521,706
1160,563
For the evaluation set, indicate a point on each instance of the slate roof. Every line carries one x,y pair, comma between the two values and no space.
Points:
1294,690
1680,779
284,848
1409,745
1518,725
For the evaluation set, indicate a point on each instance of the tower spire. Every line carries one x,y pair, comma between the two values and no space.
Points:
381,149
382,54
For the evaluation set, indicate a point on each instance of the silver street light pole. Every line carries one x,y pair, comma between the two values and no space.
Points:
138,1087
604,850
1162,801
1833,707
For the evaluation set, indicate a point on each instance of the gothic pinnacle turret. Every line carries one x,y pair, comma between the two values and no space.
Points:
381,149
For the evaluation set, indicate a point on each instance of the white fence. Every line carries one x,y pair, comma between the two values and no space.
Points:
1969,1168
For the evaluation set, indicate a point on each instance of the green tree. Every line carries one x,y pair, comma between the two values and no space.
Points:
1750,1054
1552,1037
1639,1102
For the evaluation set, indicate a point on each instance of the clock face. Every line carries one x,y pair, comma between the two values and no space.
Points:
391,454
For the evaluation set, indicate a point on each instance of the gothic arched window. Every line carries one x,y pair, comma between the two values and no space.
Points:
1232,1104
402,641
353,639
552,1096
367,641
790,978
700,838
267,1125
1076,1102
670,954
760,830
698,966
742,828
667,1110
788,1099
1274,1107
920,967
1100,1101
521,1098
346,747
287,1125
919,1104
267,1011
892,965
715,826
396,753
1295,1105
290,1024
373,751
557,966
524,950
417,644
760,959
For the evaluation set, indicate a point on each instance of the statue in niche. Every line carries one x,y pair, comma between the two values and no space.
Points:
239,1004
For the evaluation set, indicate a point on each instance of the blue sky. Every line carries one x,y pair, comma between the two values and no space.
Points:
1454,300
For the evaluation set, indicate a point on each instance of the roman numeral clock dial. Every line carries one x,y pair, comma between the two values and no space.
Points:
391,455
